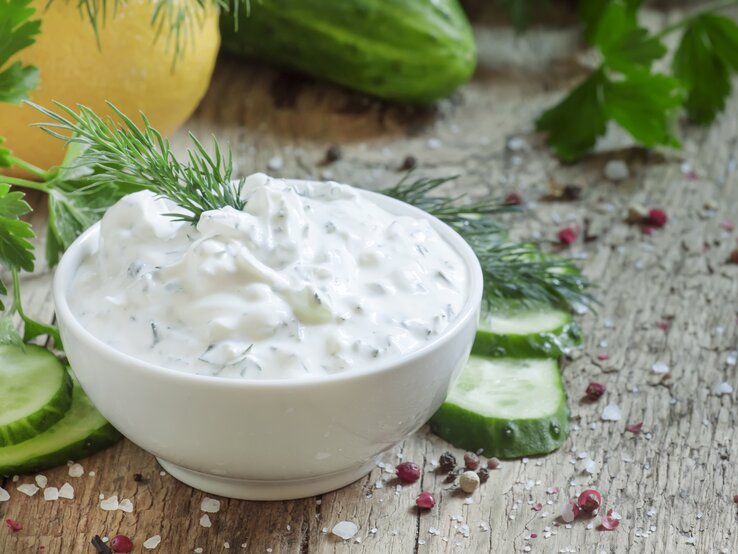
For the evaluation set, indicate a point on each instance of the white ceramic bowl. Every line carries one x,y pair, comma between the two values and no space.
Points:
268,439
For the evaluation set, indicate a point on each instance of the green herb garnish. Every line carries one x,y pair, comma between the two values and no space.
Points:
625,90
130,158
518,271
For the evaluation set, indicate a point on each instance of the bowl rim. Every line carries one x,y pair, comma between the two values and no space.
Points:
81,248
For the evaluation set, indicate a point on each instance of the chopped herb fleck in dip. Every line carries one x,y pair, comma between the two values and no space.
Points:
309,278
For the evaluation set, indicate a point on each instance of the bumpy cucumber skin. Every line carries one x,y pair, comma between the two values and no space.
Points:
499,438
46,416
96,439
412,51
553,344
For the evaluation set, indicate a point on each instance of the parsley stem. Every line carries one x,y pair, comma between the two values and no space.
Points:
25,183
37,171
716,6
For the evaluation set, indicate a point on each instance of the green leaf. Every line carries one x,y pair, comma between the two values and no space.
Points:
3,292
625,46
17,32
73,207
75,202
16,252
704,59
574,124
592,11
645,105
16,81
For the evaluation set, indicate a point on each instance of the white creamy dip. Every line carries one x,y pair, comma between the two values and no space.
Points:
308,279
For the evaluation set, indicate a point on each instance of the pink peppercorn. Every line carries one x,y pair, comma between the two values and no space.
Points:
121,543
567,235
513,199
657,217
634,428
13,524
589,501
594,391
425,500
408,472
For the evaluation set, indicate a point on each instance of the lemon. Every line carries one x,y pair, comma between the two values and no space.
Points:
132,67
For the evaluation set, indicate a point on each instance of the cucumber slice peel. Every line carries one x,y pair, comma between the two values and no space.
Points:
35,392
508,407
81,432
533,332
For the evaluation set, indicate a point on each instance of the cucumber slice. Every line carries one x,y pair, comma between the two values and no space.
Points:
534,332
35,392
507,407
81,432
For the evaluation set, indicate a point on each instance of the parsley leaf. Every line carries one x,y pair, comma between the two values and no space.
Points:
706,55
73,207
574,124
16,33
16,250
592,11
645,105
625,46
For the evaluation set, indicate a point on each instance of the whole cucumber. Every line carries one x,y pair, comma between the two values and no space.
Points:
406,50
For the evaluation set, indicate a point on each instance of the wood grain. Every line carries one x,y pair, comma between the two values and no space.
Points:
673,484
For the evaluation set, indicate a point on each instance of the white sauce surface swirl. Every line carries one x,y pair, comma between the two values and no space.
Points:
309,278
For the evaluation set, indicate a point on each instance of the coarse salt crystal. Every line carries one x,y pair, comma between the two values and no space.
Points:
126,505
41,480
722,388
345,529
198,550
152,542
51,493
590,466
66,491
275,163
660,367
28,489
612,412
109,504
226,545
616,170
76,470
205,521
4,495
732,358
210,505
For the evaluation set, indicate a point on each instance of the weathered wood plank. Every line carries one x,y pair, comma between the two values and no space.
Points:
676,475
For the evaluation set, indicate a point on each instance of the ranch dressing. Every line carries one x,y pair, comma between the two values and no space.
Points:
308,279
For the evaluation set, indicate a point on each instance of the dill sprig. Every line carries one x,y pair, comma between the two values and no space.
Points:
469,218
513,271
133,158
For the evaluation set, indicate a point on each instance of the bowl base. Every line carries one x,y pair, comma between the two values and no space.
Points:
249,489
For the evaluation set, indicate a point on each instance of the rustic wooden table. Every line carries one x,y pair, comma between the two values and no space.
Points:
673,484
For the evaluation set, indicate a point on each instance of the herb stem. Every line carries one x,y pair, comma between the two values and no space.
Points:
716,6
25,183
37,171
